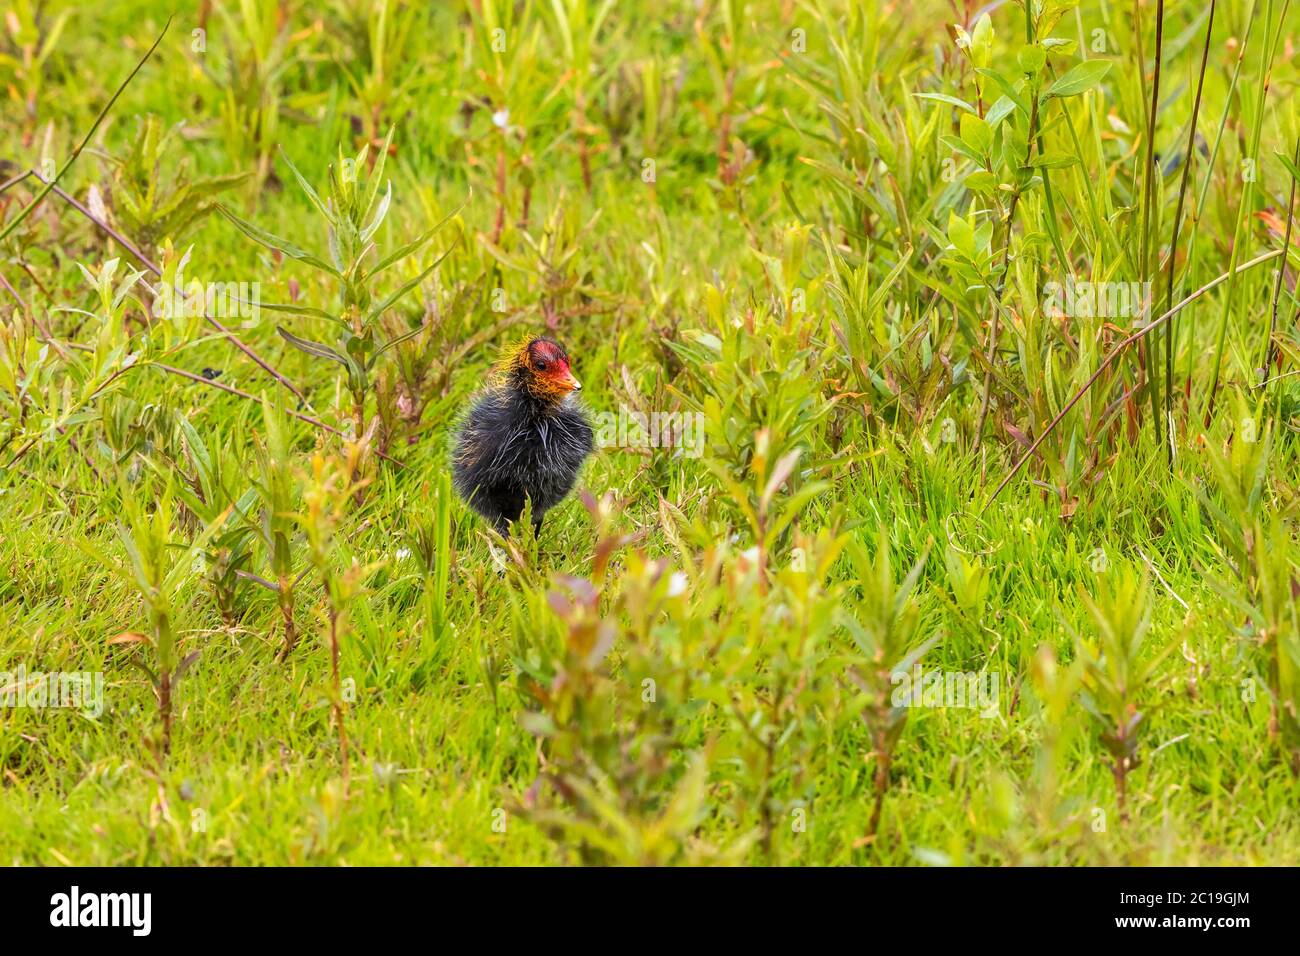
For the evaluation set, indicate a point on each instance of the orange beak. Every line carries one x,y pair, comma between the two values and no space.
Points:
569,382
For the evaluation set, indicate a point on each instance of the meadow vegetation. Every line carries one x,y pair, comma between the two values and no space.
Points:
988,320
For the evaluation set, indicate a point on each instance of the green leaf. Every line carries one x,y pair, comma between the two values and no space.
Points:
707,339
307,188
296,310
961,235
380,213
1059,45
262,237
410,247
312,348
981,41
1054,161
377,174
1000,110
976,133
406,287
394,342
1015,146
145,668
1009,90
1032,59
950,100
1079,79
961,147
1285,160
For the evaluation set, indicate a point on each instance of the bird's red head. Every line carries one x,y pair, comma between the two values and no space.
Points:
541,366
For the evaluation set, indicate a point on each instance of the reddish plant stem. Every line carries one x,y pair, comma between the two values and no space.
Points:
165,712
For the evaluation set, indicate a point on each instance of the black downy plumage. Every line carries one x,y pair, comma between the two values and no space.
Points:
525,437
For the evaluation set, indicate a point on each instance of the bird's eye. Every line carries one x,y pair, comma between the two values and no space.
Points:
542,365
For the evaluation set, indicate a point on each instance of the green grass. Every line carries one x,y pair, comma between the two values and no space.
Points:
693,665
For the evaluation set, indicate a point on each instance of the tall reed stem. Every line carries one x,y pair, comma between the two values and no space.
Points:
1148,188
1173,242
1270,350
